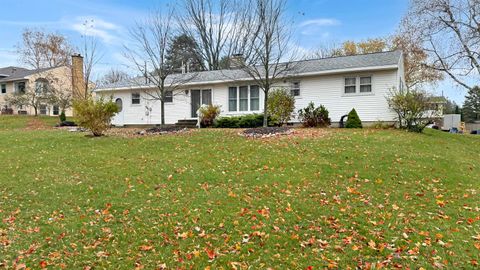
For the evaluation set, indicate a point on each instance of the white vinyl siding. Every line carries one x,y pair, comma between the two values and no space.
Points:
327,90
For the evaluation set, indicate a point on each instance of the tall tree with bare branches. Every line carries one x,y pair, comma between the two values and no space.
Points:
91,54
271,51
219,27
112,77
148,53
41,49
449,31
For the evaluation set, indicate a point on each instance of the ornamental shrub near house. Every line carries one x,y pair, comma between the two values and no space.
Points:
208,114
245,121
95,115
280,105
353,120
62,117
314,117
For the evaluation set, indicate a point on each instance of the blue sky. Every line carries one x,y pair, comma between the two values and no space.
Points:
316,22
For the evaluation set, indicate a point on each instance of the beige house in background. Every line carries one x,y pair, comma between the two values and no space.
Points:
17,80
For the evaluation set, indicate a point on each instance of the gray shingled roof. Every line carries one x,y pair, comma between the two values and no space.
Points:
17,73
298,68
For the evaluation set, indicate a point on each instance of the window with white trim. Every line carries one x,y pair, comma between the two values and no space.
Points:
168,96
244,98
55,110
243,94
366,84
358,85
350,85
4,88
43,109
135,98
232,99
295,89
254,98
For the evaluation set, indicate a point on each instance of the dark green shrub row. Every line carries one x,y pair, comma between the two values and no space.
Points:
245,121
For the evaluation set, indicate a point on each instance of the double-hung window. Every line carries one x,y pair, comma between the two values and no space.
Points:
168,96
243,93
365,84
295,89
244,98
232,99
4,88
56,110
350,85
358,85
254,98
135,98
43,109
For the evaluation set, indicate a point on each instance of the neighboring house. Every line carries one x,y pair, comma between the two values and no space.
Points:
339,83
17,80
437,106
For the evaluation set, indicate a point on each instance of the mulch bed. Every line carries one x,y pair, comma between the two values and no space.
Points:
266,132
163,130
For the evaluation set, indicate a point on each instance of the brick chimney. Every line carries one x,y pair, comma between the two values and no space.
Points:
78,80
236,61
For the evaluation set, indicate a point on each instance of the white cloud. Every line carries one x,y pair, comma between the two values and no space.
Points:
320,22
96,27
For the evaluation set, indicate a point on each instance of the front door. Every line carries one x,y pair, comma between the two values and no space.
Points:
118,118
199,98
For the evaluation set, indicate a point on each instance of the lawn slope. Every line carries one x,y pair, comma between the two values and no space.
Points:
213,198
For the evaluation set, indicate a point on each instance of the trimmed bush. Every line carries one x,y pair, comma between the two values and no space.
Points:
227,122
62,117
250,121
95,115
314,117
208,114
280,105
245,121
353,121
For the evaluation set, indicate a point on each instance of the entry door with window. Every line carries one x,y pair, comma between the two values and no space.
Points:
118,118
199,98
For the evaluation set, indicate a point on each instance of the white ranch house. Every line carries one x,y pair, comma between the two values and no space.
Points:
339,83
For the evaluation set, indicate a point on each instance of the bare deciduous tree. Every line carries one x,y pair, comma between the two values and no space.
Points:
91,55
219,27
449,32
40,49
148,54
113,76
271,51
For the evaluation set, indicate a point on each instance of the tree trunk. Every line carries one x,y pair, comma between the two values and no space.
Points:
35,109
265,113
162,109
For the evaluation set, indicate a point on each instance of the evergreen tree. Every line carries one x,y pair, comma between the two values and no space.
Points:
353,120
471,107
183,50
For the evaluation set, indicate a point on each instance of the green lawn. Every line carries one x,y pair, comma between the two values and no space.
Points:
212,198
